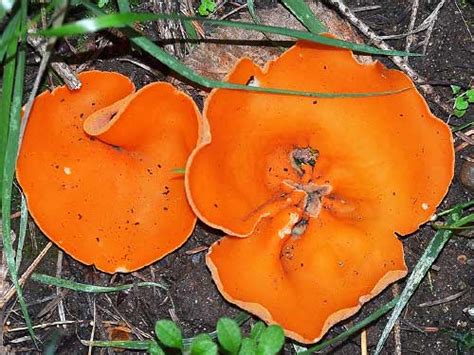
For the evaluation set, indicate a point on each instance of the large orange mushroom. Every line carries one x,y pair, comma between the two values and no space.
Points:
96,166
317,187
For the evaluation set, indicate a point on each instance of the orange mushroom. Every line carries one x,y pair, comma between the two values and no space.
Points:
319,186
96,166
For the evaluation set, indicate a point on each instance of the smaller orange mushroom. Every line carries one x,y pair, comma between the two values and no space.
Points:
96,166
316,188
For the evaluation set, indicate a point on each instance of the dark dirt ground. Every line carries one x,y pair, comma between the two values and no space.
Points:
192,298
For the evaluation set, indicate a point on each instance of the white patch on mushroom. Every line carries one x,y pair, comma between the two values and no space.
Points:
254,82
67,170
282,233
425,206
122,269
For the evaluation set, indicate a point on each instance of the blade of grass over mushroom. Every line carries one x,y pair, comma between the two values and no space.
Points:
430,254
76,286
352,330
186,72
303,13
118,20
179,170
9,163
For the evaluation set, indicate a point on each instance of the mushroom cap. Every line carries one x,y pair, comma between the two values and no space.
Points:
96,166
319,186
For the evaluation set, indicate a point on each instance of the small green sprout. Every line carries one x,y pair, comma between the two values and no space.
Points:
461,100
207,7
262,339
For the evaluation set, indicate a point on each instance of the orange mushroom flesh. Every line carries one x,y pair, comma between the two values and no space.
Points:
96,166
319,186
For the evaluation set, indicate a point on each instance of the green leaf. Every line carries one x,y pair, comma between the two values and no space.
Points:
271,341
257,330
118,20
207,7
430,254
248,347
455,89
303,13
203,345
76,286
470,95
228,334
154,349
459,113
461,103
169,334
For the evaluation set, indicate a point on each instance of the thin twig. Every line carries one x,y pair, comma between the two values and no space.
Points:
396,328
59,268
363,342
55,324
91,339
25,275
366,8
463,20
411,26
65,72
369,33
433,16
443,300
234,11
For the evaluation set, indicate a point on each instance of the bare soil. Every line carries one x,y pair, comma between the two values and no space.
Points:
192,298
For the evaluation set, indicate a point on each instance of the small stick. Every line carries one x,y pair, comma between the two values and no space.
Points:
25,275
396,328
62,69
399,62
59,268
411,26
433,16
363,342
443,300
91,339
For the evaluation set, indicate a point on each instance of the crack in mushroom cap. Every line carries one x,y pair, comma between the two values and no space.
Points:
96,166
386,161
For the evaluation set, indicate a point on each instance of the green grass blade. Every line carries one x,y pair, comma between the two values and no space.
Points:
118,20
9,165
462,127
303,13
76,286
174,64
9,68
430,254
9,32
122,344
5,7
351,331
461,206
22,234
